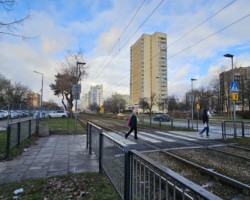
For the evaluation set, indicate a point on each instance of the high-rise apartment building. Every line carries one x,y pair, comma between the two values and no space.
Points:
148,69
96,95
85,102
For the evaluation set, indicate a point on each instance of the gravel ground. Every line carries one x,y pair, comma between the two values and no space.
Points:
195,175
234,167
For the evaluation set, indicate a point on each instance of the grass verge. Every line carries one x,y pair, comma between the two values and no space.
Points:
62,125
3,144
73,186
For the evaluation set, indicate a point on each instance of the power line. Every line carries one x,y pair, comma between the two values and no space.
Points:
130,37
194,44
119,38
193,29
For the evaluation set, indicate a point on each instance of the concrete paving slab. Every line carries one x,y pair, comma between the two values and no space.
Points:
50,156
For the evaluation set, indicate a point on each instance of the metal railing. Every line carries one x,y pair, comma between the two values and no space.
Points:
235,129
150,180
135,176
19,131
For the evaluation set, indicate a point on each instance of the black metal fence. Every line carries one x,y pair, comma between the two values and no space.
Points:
135,176
235,129
19,131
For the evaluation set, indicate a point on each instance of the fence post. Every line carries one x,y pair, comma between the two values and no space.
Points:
127,177
172,122
37,126
90,138
29,128
223,131
87,140
188,123
100,151
243,129
18,133
8,141
235,133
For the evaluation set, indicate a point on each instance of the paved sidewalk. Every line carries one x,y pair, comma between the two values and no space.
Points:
50,156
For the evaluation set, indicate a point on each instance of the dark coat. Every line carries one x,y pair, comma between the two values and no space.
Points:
133,121
205,117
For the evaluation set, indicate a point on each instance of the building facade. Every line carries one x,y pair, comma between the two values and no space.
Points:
33,99
148,69
96,95
85,102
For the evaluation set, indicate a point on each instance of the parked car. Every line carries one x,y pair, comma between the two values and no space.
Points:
162,117
4,114
1,115
58,113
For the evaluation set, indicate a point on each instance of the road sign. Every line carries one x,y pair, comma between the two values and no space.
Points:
76,90
198,106
235,96
234,86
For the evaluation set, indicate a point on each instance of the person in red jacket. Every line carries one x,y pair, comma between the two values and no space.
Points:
132,125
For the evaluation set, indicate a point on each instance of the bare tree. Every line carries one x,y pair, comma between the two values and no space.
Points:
172,103
69,74
10,27
94,107
114,104
152,100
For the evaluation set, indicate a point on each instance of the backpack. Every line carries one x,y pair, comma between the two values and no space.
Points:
129,122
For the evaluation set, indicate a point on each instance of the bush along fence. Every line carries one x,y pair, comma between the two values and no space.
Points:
134,175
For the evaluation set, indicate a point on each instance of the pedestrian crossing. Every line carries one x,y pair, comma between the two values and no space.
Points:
175,136
154,137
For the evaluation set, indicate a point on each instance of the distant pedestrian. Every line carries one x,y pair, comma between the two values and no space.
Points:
132,125
205,118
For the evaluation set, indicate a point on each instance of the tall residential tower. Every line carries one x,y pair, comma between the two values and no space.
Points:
148,69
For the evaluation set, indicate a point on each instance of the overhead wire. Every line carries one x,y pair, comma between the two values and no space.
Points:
130,38
194,44
203,39
184,35
207,37
125,29
196,27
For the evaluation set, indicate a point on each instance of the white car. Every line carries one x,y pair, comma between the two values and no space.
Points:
58,113
4,114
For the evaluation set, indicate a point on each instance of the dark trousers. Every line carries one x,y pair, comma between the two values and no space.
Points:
130,131
205,129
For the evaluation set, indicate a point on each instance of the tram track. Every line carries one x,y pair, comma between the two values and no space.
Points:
211,178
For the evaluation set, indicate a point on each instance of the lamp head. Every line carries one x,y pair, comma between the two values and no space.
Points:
229,55
80,63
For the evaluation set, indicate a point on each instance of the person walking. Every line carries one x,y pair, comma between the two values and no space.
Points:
205,118
132,125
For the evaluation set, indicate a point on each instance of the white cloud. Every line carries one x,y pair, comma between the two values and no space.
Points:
98,33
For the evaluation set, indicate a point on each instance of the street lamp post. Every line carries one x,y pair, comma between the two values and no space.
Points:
192,100
76,95
234,114
41,99
164,99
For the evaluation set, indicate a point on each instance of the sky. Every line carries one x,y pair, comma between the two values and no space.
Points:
199,33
